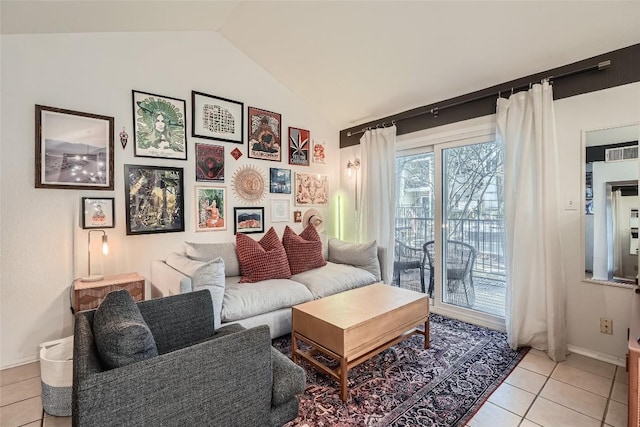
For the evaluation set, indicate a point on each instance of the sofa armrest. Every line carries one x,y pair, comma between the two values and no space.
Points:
206,381
166,280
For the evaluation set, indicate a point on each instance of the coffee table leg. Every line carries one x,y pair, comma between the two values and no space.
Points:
294,348
426,334
343,379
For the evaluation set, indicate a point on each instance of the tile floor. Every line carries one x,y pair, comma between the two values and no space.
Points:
579,392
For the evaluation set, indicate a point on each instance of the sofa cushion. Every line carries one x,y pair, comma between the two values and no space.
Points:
363,255
262,260
211,251
334,278
242,301
204,275
304,252
121,335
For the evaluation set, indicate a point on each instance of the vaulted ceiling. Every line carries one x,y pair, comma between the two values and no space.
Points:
356,61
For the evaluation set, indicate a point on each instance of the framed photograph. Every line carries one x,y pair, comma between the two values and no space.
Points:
280,210
312,189
319,152
74,150
155,199
218,118
297,216
98,213
210,210
265,138
159,126
209,162
248,220
279,181
298,147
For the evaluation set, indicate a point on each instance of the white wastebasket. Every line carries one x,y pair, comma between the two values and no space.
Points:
56,371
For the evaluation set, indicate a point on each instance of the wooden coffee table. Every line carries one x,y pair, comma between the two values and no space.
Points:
353,326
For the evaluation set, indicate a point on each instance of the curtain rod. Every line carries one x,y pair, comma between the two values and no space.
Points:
434,111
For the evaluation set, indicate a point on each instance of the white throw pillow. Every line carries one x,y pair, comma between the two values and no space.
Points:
211,251
204,275
362,255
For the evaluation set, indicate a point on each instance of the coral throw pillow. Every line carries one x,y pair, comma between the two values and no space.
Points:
304,252
262,260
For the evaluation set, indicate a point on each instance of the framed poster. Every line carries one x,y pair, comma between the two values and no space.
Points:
98,213
155,199
298,147
264,135
210,208
209,162
74,150
248,220
318,152
280,210
279,181
312,189
218,118
159,126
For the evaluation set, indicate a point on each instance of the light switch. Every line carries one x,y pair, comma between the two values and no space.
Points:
570,204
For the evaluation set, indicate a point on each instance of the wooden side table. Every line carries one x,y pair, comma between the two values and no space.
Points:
89,295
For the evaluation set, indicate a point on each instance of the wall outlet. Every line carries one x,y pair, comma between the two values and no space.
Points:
606,326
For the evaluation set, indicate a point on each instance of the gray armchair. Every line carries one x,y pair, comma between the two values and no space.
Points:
229,377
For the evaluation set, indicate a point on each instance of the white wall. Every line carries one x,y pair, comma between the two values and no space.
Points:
43,247
586,302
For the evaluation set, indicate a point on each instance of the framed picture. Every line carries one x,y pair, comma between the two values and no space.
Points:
265,138
155,199
74,150
279,181
159,126
297,216
248,220
298,147
318,152
209,162
280,210
218,118
210,211
312,189
98,213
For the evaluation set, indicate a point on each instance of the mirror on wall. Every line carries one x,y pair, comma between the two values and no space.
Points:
610,217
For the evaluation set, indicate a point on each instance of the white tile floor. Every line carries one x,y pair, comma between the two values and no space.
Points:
579,392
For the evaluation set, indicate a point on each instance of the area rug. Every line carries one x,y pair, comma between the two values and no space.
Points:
407,385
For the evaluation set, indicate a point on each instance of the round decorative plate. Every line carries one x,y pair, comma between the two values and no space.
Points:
248,183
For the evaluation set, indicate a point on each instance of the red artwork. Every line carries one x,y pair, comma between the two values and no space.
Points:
209,163
236,153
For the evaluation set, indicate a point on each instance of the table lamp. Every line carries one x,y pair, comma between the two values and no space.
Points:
105,251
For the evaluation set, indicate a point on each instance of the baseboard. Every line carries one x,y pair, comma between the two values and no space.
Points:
23,361
596,355
470,317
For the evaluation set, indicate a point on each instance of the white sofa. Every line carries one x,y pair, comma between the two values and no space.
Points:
267,302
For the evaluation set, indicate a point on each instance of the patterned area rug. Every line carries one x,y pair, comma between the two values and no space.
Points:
407,385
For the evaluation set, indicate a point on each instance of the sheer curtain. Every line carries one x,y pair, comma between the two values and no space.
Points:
536,290
376,208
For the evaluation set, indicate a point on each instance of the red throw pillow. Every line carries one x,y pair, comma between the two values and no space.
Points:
262,260
304,252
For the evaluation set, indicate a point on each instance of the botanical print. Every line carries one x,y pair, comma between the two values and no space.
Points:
312,189
280,181
209,162
298,147
264,134
210,208
159,126
318,152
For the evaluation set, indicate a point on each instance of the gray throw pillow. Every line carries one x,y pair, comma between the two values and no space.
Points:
362,255
121,335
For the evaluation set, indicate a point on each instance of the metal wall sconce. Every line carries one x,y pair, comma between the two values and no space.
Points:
351,167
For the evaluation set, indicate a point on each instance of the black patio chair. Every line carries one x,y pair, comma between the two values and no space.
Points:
407,258
460,258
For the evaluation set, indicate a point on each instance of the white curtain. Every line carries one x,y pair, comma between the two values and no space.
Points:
536,290
376,207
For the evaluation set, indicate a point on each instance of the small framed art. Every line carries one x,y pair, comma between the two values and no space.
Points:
298,147
74,150
98,213
209,162
155,199
280,210
248,220
210,208
265,130
318,152
312,189
159,126
218,118
280,181
297,216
